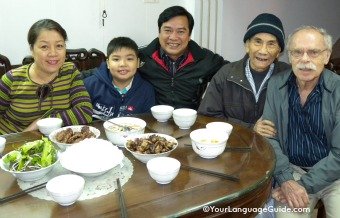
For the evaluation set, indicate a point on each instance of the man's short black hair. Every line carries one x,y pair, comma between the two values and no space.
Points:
121,42
175,11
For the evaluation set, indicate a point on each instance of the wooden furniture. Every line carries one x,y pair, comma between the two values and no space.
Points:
5,64
185,196
83,59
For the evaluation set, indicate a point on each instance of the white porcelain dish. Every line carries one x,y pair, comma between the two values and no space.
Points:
77,128
184,118
220,126
146,157
208,143
2,144
28,176
162,112
117,135
65,189
163,169
48,125
91,157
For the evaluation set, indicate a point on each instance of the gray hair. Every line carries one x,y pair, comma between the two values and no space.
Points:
327,38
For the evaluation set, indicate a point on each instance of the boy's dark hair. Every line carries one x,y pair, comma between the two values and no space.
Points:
44,24
175,11
121,42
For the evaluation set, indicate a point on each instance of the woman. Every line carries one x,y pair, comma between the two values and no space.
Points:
49,87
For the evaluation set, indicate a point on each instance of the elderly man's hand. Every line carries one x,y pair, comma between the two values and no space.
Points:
278,195
265,128
295,194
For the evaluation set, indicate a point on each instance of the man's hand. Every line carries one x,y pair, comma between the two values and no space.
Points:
265,128
295,194
278,195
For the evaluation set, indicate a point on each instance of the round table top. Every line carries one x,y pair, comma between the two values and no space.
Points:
248,156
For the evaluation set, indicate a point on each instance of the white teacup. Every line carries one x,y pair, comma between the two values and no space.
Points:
220,126
184,117
2,144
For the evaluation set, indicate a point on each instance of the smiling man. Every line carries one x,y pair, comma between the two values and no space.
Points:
177,67
238,91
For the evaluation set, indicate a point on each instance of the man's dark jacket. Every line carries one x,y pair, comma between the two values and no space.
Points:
185,88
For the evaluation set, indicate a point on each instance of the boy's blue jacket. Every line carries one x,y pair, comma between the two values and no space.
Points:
108,102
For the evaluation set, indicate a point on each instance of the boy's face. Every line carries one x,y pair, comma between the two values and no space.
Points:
123,65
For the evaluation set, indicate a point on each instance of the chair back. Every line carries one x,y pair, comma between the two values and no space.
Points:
5,64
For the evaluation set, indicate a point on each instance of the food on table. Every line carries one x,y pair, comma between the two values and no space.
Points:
123,127
210,141
32,156
154,144
69,137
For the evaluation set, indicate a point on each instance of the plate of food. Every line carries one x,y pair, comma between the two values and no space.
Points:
147,146
31,161
69,135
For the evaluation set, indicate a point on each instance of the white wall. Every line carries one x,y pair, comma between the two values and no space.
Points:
82,20
237,15
138,20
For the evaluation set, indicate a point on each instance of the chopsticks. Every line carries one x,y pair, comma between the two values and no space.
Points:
230,148
123,210
211,173
22,193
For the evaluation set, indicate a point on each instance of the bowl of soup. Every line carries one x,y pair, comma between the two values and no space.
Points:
208,143
127,126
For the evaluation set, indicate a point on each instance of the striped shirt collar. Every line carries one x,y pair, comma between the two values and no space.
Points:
251,80
125,89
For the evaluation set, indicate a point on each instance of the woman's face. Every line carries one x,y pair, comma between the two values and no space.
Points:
49,52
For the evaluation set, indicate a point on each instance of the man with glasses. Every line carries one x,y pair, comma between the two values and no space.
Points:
238,91
304,105
177,67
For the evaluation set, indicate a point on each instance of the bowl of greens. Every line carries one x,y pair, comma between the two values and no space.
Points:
31,161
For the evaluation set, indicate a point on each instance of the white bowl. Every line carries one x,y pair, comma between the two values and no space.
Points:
208,143
162,112
91,157
184,117
27,176
220,126
146,157
118,136
163,169
65,189
2,144
48,125
63,146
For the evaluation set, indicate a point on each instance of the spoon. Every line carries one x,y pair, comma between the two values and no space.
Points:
125,128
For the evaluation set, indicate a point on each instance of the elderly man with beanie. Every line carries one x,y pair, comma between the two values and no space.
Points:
237,92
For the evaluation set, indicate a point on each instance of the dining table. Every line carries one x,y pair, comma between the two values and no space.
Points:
248,156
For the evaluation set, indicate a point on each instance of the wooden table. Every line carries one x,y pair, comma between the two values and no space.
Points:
185,196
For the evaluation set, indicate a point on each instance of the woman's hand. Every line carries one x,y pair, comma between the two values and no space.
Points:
265,128
32,126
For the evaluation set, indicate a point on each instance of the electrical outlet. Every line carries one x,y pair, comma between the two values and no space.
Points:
150,1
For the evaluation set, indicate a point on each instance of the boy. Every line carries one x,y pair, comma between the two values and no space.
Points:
116,88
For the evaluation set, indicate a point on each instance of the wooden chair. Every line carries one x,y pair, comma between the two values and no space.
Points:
78,57
5,64
96,57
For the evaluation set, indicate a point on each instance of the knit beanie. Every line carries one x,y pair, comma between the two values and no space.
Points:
266,23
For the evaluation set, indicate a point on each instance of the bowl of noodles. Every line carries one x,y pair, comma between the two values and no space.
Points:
127,126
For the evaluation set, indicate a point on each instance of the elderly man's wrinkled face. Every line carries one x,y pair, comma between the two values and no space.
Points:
308,55
263,49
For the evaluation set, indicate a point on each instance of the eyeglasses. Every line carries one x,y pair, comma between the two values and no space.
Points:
312,53
271,45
